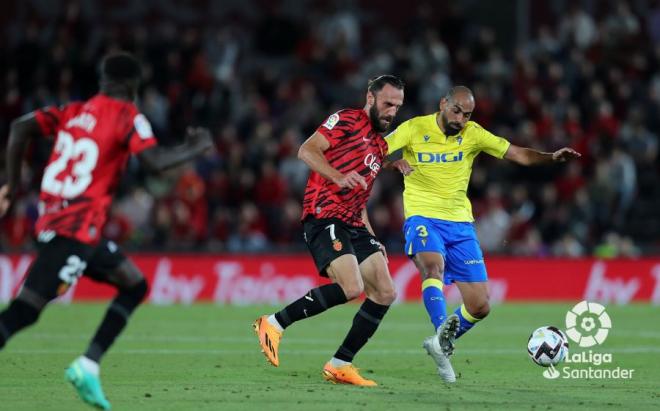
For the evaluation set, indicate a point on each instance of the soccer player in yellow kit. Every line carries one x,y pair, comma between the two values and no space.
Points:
438,151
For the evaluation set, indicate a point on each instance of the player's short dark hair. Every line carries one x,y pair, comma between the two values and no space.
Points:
377,83
458,89
120,67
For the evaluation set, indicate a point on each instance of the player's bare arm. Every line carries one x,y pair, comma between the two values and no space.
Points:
311,152
158,158
529,157
22,130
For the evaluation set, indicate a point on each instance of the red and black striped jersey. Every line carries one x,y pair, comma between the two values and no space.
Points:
93,141
354,146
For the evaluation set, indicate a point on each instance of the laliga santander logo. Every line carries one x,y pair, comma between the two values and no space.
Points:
588,324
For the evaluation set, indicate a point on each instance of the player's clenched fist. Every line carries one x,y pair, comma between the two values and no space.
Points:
351,180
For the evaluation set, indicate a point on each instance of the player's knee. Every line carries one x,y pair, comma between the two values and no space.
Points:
352,290
433,271
484,310
384,293
24,313
139,291
387,296
431,267
36,300
132,296
127,276
480,310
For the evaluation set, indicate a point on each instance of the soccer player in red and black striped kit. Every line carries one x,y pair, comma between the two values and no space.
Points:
93,142
345,155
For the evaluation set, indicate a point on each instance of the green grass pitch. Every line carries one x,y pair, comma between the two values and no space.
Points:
206,357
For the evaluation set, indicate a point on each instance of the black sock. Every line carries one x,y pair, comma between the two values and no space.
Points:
364,326
17,316
115,320
314,302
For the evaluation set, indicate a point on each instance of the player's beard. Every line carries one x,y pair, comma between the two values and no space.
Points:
451,129
377,122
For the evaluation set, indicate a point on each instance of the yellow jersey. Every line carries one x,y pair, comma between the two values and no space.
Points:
438,186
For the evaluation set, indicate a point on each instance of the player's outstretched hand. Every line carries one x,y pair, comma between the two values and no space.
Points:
351,180
199,137
564,154
5,200
403,166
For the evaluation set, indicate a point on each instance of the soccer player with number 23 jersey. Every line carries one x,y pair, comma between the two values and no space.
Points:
93,141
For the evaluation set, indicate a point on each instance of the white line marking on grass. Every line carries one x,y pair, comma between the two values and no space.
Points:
367,351
184,339
297,341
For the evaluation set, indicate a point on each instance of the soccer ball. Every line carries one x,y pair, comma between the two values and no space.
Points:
547,346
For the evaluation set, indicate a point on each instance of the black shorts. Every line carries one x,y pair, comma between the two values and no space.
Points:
61,261
329,238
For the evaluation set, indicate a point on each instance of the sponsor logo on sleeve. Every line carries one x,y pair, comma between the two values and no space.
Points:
143,127
331,122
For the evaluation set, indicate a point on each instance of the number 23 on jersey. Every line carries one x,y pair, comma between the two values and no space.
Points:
62,181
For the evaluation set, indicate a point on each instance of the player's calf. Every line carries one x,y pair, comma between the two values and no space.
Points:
468,320
431,267
475,305
365,324
434,301
116,318
316,301
19,315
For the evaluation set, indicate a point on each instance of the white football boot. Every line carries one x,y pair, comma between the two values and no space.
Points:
441,346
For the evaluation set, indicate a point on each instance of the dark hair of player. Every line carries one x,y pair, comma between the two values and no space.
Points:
120,67
120,76
377,83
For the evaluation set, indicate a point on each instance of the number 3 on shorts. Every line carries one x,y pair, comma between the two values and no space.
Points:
72,270
421,231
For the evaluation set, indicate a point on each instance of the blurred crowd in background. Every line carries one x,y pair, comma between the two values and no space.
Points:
263,75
